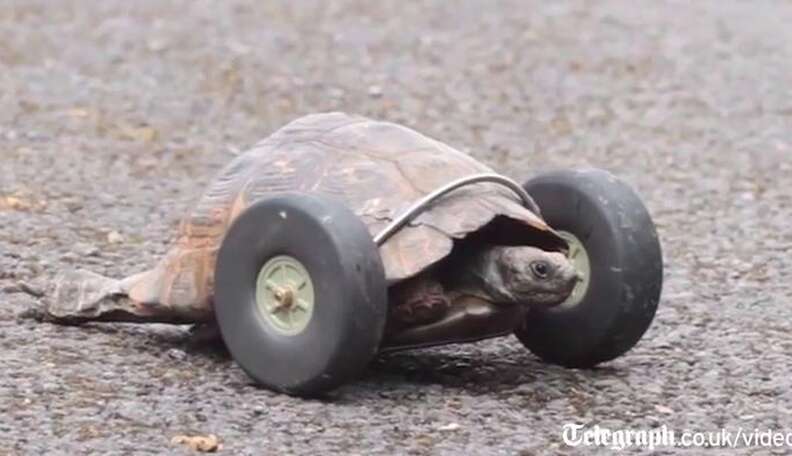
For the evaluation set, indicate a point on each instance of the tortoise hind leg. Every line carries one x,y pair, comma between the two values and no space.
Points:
82,296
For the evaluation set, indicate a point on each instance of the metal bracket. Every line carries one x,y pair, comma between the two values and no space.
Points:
421,205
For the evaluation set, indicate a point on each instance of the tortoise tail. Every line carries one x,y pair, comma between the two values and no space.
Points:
82,296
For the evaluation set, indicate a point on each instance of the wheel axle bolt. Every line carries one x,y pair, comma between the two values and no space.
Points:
285,297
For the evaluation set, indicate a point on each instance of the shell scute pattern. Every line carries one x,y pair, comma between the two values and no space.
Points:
377,168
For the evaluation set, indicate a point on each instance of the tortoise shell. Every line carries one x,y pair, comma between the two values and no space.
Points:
378,169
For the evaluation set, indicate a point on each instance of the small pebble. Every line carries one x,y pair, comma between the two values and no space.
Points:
175,353
114,237
449,427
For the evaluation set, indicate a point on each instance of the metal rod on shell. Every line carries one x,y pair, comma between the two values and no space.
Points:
420,205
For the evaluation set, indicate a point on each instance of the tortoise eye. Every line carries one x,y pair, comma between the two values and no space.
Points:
540,269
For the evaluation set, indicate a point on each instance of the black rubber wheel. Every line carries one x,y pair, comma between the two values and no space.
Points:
612,311
320,239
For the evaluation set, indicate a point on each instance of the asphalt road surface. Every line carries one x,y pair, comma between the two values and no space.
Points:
115,114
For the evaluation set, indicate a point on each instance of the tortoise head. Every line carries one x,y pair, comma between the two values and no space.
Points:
531,276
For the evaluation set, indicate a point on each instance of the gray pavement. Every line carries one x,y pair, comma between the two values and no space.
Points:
114,115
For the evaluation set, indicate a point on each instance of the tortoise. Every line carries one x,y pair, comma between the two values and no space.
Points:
311,255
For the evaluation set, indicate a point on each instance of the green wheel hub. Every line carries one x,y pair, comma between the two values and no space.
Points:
285,295
580,260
